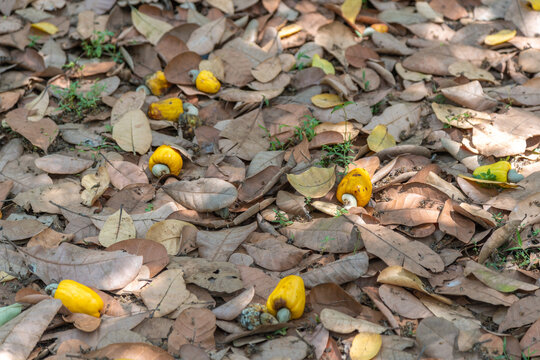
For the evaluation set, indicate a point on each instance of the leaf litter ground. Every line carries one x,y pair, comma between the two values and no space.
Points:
439,264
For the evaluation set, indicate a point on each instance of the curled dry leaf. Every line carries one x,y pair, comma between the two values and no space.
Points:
232,308
175,235
396,275
131,100
315,182
154,254
437,336
380,139
273,253
94,185
177,70
204,195
339,322
83,322
338,272
152,28
165,293
403,302
119,226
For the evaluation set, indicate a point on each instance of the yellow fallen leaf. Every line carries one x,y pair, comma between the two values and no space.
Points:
350,9
314,182
501,37
490,183
380,139
535,4
326,101
323,64
5,277
398,276
49,28
365,346
289,30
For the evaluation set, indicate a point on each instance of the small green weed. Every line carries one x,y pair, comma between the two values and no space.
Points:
149,207
366,82
506,356
325,243
306,130
376,109
281,218
341,211
338,154
301,55
439,99
73,101
33,41
456,118
498,218
98,46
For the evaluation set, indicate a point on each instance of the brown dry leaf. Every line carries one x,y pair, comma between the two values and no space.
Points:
38,106
470,95
132,132
165,293
338,272
21,229
395,249
339,322
496,280
396,275
332,296
529,342
83,322
334,235
455,224
232,308
437,336
193,326
335,38
203,40
61,164
177,236
123,173
522,312
267,70
399,119
236,66
273,253
471,72
215,276
219,245
132,198
44,198
203,195
498,238
403,302
289,347
291,203
476,290
134,351
94,186
150,27
459,117
40,133
490,140
154,255
119,226
246,96
99,269
245,136
49,238
177,70
315,182
131,100
20,335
